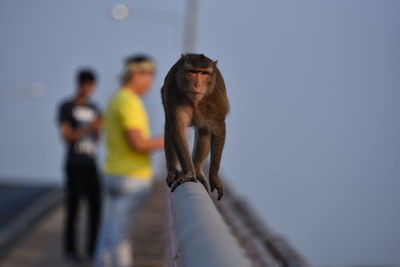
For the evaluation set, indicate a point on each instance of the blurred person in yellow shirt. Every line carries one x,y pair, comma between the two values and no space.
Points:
127,168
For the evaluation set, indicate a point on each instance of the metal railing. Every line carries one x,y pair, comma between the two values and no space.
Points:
205,232
203,238
263,246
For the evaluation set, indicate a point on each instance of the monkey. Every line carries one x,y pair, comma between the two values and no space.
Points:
194,95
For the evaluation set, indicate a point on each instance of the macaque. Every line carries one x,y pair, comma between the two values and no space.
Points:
194,95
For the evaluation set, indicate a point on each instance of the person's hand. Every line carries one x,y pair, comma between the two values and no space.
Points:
160,141
96,125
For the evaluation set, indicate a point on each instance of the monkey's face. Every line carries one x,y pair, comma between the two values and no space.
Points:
197,80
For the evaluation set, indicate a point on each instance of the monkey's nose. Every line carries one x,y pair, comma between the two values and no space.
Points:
197,90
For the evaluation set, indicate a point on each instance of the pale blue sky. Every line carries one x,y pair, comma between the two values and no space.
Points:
313,134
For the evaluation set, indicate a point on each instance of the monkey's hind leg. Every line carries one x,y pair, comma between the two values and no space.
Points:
217,145
170,156
200,151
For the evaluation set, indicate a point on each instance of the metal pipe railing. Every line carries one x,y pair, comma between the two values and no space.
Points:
263,246
203,237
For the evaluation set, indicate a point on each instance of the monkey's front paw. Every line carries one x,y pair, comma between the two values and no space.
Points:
200,177
188,177
171,177
215,183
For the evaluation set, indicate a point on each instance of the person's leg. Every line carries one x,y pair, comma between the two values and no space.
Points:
109,222
93,192
134,192
125,195
72,195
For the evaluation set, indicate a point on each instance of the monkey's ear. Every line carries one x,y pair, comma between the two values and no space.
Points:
214,63
180,61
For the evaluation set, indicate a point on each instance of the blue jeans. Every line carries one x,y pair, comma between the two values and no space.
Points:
122,196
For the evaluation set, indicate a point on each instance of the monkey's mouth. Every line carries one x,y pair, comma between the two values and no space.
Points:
196,93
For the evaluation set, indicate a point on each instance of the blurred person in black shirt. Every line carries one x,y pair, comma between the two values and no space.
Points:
80,124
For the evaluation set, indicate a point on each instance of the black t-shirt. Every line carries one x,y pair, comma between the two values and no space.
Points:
83,151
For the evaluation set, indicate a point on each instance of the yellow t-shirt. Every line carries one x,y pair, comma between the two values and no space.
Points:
125,111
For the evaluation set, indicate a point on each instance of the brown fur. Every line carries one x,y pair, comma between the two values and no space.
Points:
205,111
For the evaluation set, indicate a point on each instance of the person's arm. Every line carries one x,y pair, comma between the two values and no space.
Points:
140,143
97,125
70,134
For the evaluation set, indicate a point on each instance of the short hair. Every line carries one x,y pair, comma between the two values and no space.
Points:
138,62
86,76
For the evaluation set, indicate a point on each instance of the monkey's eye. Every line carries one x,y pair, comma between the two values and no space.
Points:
193,71
205,72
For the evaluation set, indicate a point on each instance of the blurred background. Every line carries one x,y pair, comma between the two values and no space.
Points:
313,134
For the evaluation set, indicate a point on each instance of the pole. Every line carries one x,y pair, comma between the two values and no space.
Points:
190,26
